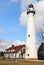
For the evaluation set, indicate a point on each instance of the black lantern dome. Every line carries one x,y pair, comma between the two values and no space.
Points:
31,9
30,6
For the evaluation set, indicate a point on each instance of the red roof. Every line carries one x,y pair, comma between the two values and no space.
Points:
15,48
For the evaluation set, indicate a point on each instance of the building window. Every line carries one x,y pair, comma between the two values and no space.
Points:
28,54
28,35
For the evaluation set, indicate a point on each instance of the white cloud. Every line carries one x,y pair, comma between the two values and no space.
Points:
25,3
3,44
40,11
23,18
2,41
17,42
39,17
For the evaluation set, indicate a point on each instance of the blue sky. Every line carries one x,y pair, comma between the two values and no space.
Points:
11,11
10,28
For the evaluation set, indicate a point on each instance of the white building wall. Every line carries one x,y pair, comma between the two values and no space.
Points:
12,55
17,54
6,55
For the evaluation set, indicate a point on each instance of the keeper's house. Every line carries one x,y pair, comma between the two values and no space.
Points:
15,52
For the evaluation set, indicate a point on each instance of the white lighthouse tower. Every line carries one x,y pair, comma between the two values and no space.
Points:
31,50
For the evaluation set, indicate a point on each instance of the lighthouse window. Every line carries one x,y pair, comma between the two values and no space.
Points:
28,54
28,35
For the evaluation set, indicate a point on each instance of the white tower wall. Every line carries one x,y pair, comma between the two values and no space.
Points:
31,50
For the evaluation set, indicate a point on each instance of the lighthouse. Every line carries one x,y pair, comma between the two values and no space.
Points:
31,50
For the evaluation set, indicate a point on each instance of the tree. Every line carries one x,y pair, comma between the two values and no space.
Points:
41,52
40,34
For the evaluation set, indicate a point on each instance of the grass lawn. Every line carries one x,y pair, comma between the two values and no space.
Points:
20,62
